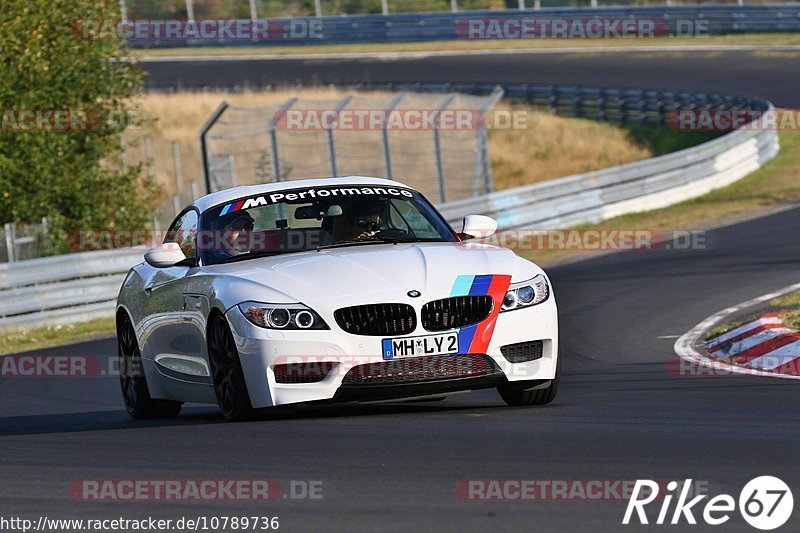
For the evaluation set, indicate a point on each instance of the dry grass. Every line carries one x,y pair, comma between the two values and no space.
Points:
547,147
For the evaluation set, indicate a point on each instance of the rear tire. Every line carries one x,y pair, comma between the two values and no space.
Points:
226,371
515,397
132,380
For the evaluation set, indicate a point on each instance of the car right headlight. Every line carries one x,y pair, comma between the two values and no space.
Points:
526,294
282,316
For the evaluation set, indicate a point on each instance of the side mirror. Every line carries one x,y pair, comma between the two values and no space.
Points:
478,227
167,255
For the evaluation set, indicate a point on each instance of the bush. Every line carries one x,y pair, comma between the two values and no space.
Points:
75,177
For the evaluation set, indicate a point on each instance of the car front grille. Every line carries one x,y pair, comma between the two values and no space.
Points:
456,312
522,352
377,319
420,369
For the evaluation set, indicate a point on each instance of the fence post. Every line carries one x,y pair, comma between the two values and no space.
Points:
437,148
123,10
318,8
454,6
190,9
204,155
483,165
521,4
385,7
195,193
331,147
273,137
594,3
176,159
537,4
176,204
8,229
387,154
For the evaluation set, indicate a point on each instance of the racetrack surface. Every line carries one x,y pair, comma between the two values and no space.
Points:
774,75
620,415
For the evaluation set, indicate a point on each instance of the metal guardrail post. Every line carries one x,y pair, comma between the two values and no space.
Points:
387,154
8,230
437,148
273,137
204,144
331,147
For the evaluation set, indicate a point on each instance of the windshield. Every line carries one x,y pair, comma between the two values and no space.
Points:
297,220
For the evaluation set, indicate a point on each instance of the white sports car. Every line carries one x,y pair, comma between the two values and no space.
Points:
345,289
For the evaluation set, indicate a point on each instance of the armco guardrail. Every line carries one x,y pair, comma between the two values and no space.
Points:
63,289
437,26
633,187
77,287
639,186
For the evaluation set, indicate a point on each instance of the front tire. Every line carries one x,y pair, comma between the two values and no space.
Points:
132,380
515,397
226,371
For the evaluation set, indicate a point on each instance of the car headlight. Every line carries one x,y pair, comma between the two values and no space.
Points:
526,294
282,316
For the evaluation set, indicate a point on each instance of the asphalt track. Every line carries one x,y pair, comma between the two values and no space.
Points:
620,415
771,74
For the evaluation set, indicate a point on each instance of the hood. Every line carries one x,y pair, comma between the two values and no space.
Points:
375,272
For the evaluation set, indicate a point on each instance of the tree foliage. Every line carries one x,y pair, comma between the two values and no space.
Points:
74,177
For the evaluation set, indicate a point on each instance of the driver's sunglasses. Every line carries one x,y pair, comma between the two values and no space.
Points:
369,224
239,226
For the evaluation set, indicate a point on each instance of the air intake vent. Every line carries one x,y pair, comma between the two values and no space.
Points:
522,352
377,319
457,312
420,369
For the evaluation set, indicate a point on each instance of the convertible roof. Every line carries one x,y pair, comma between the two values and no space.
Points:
221,197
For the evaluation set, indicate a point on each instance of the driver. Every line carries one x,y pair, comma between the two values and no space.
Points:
364,221
234,238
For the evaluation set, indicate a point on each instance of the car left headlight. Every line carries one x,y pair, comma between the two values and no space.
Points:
282,316
526,294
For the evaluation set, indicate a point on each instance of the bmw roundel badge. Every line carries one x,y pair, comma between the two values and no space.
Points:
414,294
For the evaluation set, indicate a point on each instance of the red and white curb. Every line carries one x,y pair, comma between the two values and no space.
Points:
763,347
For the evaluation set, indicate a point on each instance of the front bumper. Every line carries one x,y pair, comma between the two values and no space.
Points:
262,350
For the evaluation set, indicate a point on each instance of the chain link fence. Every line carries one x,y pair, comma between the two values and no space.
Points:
22,242
436,143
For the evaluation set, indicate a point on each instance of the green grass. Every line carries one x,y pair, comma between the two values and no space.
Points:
22,340
759,39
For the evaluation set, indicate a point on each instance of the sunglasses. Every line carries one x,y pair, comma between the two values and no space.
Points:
372,225
239,226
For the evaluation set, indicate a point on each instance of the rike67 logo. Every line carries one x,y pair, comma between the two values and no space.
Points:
765,503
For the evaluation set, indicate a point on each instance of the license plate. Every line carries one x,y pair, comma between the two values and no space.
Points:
443,344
